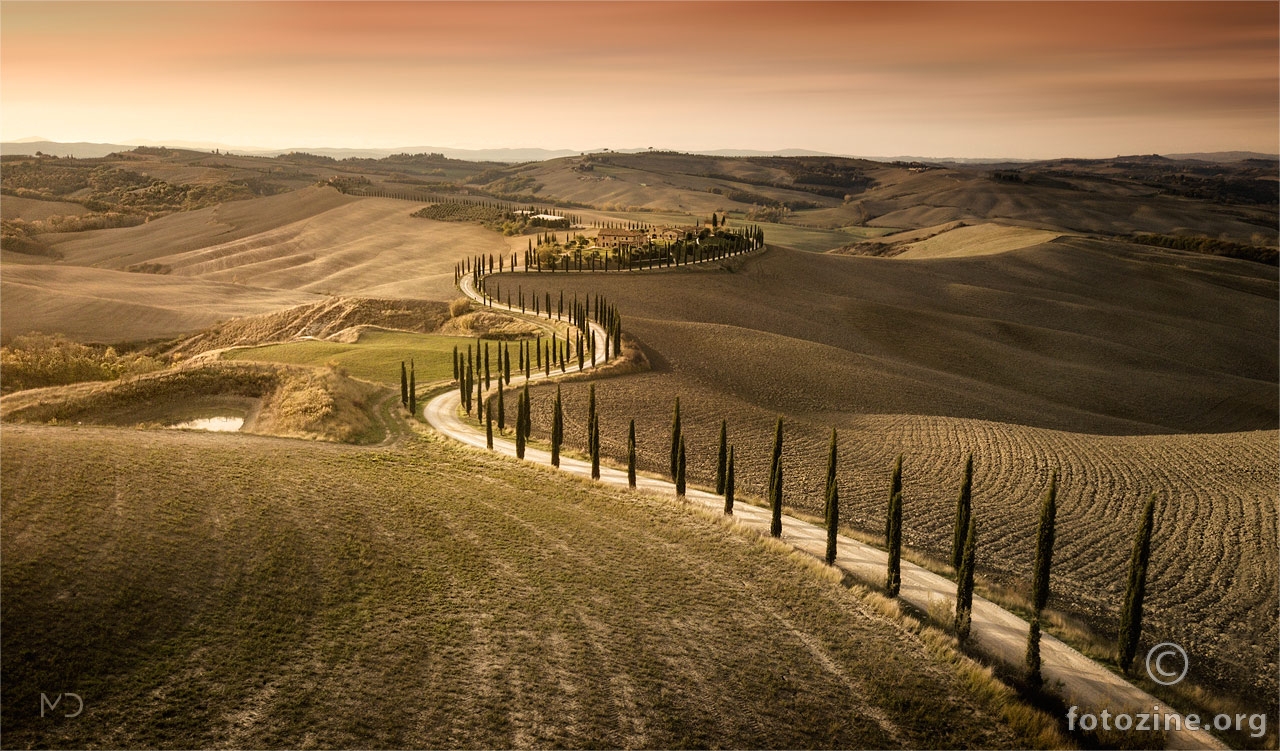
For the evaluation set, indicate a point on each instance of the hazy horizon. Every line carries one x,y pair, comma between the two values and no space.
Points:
252,149
960,80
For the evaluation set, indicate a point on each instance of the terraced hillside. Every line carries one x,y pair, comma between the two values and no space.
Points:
1128,371
109,306
491,604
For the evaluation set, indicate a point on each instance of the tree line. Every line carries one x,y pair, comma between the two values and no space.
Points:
551,255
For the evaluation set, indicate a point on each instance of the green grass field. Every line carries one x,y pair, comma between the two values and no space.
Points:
427,595
375,357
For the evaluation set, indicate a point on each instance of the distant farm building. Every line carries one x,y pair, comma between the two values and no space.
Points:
672,234
621,238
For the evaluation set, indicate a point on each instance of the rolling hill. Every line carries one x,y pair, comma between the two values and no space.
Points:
236,259
193,599
1014,325
1127,370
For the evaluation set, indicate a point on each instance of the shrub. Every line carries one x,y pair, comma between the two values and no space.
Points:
38,360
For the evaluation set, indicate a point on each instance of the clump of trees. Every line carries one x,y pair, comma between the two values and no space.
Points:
496,216
38,360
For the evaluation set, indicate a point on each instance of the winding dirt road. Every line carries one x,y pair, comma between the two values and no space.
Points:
995,632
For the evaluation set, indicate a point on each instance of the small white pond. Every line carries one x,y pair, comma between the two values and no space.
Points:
217,424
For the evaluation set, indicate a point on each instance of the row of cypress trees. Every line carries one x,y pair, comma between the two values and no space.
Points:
964,552
730,242
964,543
727,242
964,537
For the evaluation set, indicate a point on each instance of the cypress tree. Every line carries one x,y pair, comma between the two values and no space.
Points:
591,409
895,487
964,585
1044,546
963,511
506,365
595,447
502,409
557,429
520,418
832,502
775,483
631,455
470,380
413,391
528,412
723,459
1033,653
455,362
1135,592
404,385
488,427
893,578
675,439
728,485
486,365
680,466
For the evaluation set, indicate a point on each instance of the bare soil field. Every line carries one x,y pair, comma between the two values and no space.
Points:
102,305
902,199
237,259
981,239
1127,372
313,240
191,230
490,603
32,209
370,247
1109,197
1078,335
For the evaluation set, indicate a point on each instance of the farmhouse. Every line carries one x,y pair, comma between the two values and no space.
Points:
672,234
621,238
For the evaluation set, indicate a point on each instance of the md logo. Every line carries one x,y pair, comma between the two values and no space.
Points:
50,706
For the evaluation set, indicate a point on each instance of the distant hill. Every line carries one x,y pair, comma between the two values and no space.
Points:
79,150
470,155
89,150
1225,157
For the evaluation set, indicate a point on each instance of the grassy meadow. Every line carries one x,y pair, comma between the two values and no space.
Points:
426,595
376,356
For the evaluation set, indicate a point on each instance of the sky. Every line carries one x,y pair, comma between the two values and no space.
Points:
956,79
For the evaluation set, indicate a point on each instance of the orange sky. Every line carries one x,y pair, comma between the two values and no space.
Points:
934,79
